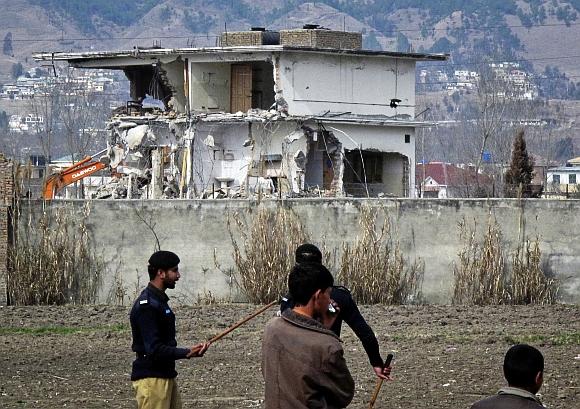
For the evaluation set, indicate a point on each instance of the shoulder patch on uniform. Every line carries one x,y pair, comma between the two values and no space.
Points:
143,302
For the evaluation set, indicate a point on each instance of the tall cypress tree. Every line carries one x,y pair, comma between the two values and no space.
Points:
518,178
7,46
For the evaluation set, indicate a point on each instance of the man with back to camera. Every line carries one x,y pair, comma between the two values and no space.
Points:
349,312
523,368
153,329
302,359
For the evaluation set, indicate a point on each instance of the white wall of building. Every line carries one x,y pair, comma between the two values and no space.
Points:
315,83
210,86
564,176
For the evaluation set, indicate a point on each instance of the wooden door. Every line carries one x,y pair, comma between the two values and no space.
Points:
241,91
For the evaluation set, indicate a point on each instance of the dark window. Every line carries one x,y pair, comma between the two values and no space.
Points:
358,164
556,179
407,138
572,179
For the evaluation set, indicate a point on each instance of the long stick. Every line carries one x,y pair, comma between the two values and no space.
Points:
380,382
241,322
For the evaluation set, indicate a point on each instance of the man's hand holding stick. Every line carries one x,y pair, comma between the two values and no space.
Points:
387,365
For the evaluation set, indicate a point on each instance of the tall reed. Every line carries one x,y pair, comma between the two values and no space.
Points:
374,267
51,260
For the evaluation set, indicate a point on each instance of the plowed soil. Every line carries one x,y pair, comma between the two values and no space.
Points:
446,357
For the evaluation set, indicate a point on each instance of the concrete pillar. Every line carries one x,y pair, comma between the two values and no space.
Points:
6,198
3,254
157,174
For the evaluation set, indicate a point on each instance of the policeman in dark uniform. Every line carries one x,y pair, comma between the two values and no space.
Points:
153,328
347,311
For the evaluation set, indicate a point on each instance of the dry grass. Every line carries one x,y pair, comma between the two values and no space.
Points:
51,260
482,277
265,253
480,274
374,268
529,284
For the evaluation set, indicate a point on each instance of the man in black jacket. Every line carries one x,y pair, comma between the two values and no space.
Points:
153,329
347,311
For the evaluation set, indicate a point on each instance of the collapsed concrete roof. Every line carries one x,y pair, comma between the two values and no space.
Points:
143,56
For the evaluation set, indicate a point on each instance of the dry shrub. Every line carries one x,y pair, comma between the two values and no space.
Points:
268,252
529,284
374,268
51,260
482,276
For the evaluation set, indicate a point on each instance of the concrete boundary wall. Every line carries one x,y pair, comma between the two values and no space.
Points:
122,232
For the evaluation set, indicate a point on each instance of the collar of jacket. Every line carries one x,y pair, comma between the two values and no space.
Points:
158,293
508,390
306,322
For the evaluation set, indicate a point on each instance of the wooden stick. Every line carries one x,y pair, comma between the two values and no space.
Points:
380,382
240,323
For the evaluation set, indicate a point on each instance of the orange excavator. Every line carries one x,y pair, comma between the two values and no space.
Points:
86,167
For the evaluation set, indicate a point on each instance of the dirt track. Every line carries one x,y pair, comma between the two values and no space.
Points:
446,357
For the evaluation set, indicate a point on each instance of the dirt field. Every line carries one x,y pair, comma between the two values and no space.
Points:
446,357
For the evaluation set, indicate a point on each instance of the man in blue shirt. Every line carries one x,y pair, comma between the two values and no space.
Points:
153,329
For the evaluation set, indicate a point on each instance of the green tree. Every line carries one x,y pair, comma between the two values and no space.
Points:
7,48
370,42
17,70
518,178
3,120
403,44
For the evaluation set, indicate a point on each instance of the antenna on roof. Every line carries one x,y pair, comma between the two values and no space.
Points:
226,32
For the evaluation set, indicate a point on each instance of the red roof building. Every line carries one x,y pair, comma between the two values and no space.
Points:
445,180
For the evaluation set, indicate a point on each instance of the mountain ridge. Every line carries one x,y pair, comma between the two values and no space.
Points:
543,32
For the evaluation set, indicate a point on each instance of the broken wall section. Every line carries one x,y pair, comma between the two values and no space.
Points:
144,157
361,160
324,168
163,81
250,158
221,156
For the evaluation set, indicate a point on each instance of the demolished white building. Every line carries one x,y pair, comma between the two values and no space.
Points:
289,113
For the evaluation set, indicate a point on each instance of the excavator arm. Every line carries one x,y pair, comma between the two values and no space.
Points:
76,172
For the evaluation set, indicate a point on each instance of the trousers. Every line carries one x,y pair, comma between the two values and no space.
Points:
157,393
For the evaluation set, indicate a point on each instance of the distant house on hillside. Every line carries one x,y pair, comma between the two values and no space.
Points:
294,112
27,123
445,180
564,180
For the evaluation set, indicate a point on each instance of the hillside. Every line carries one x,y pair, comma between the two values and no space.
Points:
541,32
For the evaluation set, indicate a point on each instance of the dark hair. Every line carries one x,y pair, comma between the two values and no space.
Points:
163,260
308,253
307,278
152,270
521,365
